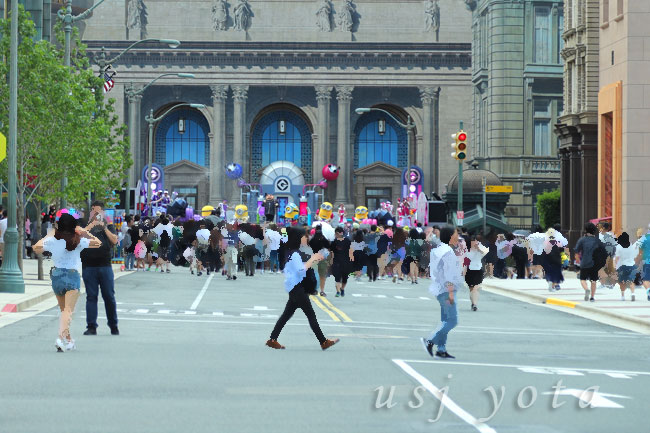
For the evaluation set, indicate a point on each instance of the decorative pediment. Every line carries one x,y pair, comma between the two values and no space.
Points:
378,169
185,166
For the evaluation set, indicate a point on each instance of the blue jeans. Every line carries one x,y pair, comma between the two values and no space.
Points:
274,259
448,321
96,279
129,261
64,280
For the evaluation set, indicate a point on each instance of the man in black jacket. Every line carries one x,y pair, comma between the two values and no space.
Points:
270,207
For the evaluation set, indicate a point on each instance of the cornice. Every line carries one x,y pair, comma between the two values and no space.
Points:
300,55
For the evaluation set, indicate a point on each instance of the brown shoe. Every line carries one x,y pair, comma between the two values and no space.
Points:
329,343
274,344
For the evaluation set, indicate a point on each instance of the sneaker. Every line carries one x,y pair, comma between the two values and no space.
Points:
448,356
328,343
168,271
622,297
234,277
592,300
394,279
70,344
633,298
428,346
587,292
399,281
60,345
115,331
274,344
207,272
162,271
342,292
337,295
198,274
91,331
474,307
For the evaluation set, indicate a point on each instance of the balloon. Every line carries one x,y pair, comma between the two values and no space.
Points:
330,172
234,171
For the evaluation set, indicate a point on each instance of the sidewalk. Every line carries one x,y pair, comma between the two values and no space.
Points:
608,307
35,291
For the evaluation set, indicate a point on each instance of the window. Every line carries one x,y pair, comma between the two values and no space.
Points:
543,39
542,127
483,43
560,39
375,196
619,7
281,141
183,135
484,128
190,194
372,146
605,11
573,87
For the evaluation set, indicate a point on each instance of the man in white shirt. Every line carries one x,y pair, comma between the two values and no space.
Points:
3,229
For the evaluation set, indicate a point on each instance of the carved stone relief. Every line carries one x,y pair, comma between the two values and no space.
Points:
136,20
432,17
324,16
219,15
243,14
345,17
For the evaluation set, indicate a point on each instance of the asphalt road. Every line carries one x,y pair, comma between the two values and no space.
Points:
191,358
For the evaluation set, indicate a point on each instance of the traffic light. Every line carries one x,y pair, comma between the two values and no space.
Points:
460,146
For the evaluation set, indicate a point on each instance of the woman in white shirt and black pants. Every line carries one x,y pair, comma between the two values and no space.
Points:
297,283
474,274
66,244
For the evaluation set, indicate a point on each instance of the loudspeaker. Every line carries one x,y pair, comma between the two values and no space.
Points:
437,212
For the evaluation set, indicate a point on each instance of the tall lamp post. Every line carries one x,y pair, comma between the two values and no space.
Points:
131,93
409,126
68,19
11,277
151,121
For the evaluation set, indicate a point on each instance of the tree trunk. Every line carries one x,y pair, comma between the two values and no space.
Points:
21,232
39,223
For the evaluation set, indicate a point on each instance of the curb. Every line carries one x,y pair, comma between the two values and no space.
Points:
576,306
38,298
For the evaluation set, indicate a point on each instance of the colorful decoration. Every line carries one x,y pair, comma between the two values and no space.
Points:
291,211
360,213
234,171
206,210
241,213
330,172
325,212
342,217
70,211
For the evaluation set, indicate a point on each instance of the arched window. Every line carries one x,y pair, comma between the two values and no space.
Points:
379,138
281,135
183,134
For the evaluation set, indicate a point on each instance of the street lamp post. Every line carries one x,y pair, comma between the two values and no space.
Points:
151,121
131,93
11,277
68,19
409,126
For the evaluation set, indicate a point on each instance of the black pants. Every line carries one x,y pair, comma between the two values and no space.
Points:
298,299
521,269
500,269
373,268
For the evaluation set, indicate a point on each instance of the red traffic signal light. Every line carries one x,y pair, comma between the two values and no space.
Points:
462,136
460,146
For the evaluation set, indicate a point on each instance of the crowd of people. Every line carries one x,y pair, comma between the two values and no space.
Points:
450,259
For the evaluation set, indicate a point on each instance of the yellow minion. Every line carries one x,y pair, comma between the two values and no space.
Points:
241,213
291,211
325,211
206,210
360,213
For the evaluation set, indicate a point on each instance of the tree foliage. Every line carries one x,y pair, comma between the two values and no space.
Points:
548,207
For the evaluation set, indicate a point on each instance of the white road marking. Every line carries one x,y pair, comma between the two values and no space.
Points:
424,298
444,398
260,307
197,301
592,398
399,297
164,311
218,313
142,311
551,371
189,312
158,303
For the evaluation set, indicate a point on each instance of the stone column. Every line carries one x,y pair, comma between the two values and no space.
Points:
218,144
435,164
134,139
322,150
240,94
343,149
427,153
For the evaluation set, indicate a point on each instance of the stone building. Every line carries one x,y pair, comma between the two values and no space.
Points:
623,113
517,76
578,125
281,80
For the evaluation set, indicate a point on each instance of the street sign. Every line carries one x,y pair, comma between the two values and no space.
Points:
3,147
460,223
460,215
498,188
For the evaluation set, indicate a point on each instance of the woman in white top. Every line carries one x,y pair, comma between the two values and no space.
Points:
66,244
299,281
625,262
446,279
474,274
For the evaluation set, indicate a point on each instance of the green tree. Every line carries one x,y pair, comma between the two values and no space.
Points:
548,207
65,127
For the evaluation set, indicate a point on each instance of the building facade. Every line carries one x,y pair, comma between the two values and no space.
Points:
281,81
623,113
577,127
517,75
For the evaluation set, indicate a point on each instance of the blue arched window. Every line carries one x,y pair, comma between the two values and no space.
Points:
281,135
379,138
183,134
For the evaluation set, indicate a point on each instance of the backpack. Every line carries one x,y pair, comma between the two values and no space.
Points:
600,256
309,282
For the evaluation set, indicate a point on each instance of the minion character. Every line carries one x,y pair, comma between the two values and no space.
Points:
241,213
360,214
206,210
325,212
291,211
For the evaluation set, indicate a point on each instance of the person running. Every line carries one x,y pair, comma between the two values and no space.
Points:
608,273
299,281
358,254
475,272
397,255
341,265
446,279
644,247
320,244
383,248
553,261
273,237
587,247
413,252
624,261
65,245
371,239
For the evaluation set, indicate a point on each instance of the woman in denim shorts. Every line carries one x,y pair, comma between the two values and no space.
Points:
625,262
66,244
